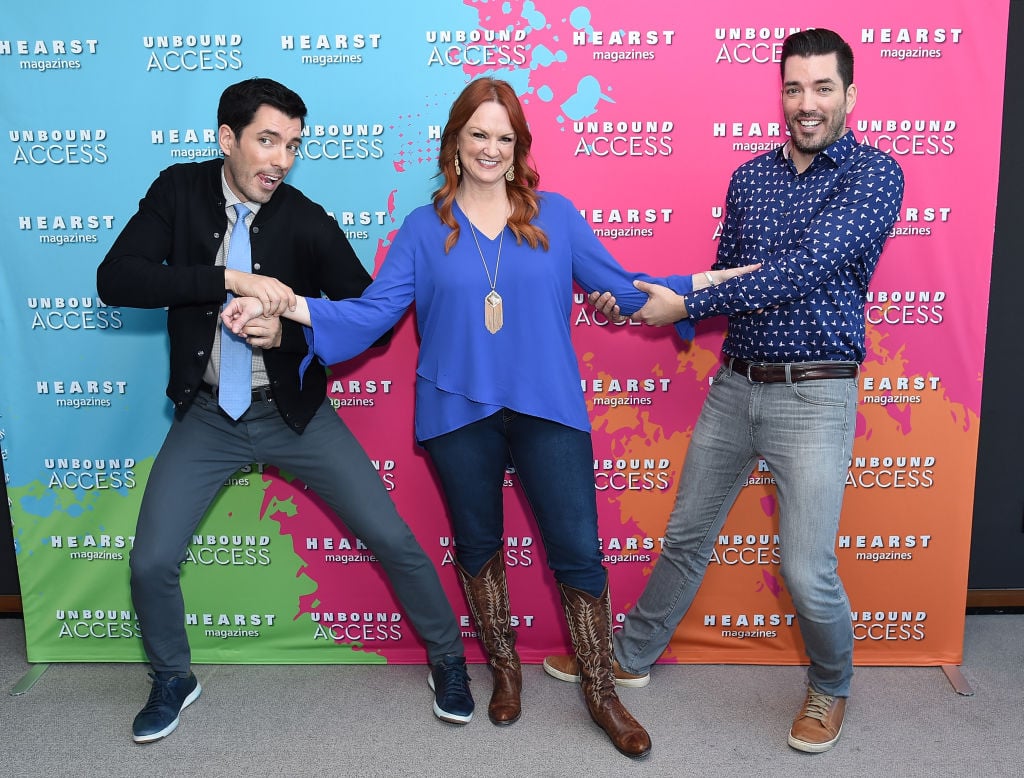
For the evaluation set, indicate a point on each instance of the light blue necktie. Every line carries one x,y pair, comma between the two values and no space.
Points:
235,394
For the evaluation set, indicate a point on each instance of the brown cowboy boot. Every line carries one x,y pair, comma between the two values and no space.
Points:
487,593
590,626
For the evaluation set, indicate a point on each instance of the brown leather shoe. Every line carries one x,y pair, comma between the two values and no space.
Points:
565,668
818,724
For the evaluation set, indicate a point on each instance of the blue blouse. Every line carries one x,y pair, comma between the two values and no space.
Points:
465,373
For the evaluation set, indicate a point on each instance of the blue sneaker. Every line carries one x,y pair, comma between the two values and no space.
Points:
450,681
168,697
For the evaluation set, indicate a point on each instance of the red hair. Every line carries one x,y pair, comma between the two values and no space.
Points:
522,192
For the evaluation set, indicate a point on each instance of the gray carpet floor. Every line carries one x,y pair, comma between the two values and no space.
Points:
705,720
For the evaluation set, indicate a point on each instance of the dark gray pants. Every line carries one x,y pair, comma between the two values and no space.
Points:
202,449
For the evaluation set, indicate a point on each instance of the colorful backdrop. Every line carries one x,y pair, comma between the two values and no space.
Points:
639,114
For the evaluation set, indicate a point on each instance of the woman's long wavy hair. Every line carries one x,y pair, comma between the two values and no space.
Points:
522,192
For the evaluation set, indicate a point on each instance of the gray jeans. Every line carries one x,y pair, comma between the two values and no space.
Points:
805,433
202,449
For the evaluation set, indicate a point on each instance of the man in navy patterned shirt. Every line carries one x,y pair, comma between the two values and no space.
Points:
816,214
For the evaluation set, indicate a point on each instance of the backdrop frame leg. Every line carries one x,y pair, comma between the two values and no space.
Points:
957,680
29,679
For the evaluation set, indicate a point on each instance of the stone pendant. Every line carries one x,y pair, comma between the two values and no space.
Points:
493,314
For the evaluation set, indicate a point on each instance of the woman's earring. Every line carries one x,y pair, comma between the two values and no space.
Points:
510,174
458,170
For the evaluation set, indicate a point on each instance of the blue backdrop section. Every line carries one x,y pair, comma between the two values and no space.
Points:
87,135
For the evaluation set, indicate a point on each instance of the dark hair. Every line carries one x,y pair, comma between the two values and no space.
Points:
240,102
815,42
522,192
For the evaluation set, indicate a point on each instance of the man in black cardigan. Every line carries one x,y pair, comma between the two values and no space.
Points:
173,253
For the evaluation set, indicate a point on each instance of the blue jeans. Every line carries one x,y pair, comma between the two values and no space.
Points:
555,465
805,433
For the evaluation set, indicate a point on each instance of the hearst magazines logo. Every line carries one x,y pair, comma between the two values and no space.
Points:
628,222
619,45
915,220
323,49
614,391
357,393
340,549
193,52
83,392
93,548
516,621
751,137
477,48
187,142
355,225
744,626
632,549
58,145
230,625
883,548
902,43
900,390
65,229
50,54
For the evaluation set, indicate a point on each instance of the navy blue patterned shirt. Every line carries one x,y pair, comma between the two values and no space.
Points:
819,235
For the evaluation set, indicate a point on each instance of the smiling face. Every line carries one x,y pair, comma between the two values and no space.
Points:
487,145
257,160
815,105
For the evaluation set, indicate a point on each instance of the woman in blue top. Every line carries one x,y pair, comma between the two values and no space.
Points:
497,381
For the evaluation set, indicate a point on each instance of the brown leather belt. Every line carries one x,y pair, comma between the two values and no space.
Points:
782,372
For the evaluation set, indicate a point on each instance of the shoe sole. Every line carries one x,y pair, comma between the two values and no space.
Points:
504,722
632,683
174,724
638,757
814,748
451,718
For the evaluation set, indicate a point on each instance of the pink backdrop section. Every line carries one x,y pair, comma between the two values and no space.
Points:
660,135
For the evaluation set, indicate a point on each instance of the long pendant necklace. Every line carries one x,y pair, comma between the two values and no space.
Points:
494,316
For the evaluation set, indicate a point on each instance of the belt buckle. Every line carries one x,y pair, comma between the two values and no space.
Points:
751,367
